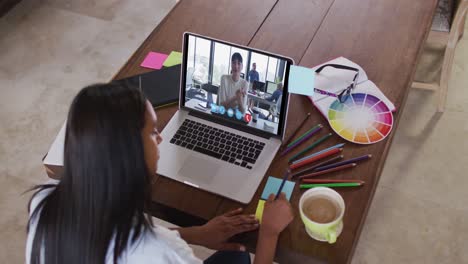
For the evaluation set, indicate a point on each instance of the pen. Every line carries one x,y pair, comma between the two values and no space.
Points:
285,177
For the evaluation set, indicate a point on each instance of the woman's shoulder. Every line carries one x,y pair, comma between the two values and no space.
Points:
161,245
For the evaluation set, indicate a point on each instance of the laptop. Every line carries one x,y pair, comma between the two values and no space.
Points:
222,149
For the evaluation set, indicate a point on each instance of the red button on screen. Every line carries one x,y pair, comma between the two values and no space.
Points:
247,117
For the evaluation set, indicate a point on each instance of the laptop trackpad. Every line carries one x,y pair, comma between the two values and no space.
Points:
199,170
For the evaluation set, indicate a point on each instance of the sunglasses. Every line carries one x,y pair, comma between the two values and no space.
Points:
345,93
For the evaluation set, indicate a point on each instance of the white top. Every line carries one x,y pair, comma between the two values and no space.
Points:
164,246
228,88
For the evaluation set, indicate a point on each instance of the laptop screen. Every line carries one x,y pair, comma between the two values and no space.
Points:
230,81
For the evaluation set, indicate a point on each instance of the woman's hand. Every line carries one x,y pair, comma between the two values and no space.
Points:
277,215
218,230
240,96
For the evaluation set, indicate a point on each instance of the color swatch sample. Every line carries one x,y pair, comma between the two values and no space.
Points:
272,186
301,80
259,211
174,58
154,60
362,118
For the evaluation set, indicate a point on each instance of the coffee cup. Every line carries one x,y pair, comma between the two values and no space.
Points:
322,211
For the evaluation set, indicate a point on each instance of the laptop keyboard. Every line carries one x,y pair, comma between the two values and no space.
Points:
218,143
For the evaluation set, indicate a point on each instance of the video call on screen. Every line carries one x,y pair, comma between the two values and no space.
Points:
242,86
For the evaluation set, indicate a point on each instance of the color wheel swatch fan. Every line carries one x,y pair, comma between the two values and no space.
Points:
362,118
365,117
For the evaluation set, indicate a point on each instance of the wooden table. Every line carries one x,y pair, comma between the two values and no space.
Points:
385,37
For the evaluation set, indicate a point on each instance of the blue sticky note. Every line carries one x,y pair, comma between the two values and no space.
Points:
301,80
272,186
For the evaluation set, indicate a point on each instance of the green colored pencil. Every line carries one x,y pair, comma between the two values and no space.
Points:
316,143
302,136
341,184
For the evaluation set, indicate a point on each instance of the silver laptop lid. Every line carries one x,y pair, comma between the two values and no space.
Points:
219,83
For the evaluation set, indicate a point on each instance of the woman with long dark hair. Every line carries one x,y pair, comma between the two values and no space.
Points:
96,212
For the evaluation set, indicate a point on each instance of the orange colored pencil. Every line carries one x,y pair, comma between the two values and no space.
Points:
330,181
347,166
315,158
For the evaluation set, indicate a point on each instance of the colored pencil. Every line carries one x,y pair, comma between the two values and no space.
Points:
286,142
315,158
313,145
329,181
344,162
318,173
303,135
326,162
318,152
285,177
297,143
341,184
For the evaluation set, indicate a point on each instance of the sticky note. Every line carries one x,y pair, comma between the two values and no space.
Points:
174,58
272,186
259,211
301,80
154,60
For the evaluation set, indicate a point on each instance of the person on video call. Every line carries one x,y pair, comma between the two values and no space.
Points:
276,94
253,74
275,97
232,92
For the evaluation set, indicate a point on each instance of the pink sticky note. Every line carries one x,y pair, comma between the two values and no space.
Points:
154,60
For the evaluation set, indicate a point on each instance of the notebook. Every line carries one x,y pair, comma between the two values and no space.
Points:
161,87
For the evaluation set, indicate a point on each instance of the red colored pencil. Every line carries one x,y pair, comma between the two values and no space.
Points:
323,163
315,158
347,166
329,181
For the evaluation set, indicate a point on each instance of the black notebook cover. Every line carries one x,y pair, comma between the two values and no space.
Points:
161,87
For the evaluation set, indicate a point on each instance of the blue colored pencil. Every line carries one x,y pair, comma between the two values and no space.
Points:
305,138
344,162
285,177
318,153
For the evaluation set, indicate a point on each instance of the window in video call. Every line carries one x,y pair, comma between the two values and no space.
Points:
240,85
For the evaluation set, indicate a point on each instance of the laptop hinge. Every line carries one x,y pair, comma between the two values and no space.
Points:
222,121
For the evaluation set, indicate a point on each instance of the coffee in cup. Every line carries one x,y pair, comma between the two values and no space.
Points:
322,211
